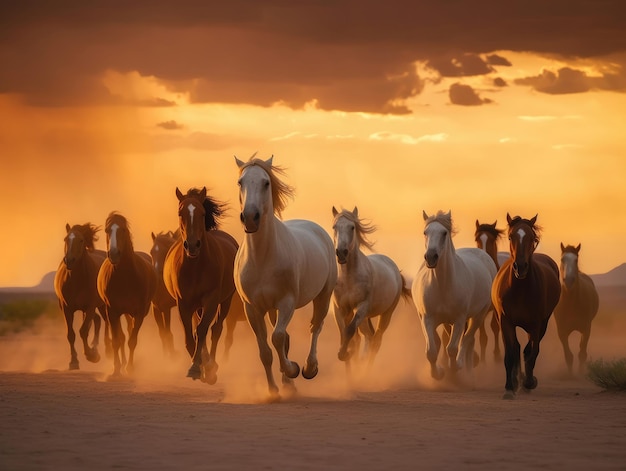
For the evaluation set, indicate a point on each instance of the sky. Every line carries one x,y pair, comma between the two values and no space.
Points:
395,107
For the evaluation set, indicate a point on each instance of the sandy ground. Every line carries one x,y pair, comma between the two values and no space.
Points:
394,417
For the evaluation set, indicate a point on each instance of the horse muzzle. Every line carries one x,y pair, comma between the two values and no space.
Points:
192,250
114,256
250,220
342,256
431,258
520,270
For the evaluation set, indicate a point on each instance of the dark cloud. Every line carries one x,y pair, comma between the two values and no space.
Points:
170,125
499,82
347,55
568,80
465,95
495,59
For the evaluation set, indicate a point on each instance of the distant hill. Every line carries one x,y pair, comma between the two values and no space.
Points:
615,277
46,285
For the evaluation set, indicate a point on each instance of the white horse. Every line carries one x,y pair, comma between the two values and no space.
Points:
368,286
452,287
280,267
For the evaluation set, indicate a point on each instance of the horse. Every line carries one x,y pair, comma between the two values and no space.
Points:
75,288
280,267
524,293
163,302
127,283
198,274
367,286
487,237
452,287
577,306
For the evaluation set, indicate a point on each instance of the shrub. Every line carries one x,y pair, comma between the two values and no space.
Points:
610,375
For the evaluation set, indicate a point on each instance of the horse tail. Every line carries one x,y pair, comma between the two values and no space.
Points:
406,291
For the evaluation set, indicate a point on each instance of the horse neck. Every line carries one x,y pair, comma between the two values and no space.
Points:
356,259
263,242
447,261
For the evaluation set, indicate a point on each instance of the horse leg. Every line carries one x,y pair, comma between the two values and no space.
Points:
377,338
351,329
160,322
531,351
108,345
256,320
210,370
466,354
231,324
167,320
97,322
482,336
90,354
455,356
495,328
582,354
186,319
71,337
117,340
132,341
433,343
569,356
320,310
511,357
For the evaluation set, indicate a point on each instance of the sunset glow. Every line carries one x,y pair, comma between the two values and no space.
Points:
393,122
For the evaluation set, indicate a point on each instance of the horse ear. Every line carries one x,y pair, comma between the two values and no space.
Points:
67,227
270,160
477,224
203,192
562,247
578,248
335,212
495,223
508,218
240,163
534,220
355,211
153,236
179,195
424,215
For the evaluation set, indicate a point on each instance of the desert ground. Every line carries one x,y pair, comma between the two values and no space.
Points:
391,417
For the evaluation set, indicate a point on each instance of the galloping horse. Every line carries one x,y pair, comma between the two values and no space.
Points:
127,283
75,286
163,302
487,236
525,292
452,287
367,286
198,273
577,306
280,266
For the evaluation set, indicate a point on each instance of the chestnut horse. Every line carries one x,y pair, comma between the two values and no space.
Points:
127,283
487,237
577,307
163,302
524,293
198,273
75,287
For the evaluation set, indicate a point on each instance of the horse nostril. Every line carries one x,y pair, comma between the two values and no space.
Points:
198,244
515,266
186,245
257,216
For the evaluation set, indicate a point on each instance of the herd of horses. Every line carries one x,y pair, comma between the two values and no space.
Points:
281,266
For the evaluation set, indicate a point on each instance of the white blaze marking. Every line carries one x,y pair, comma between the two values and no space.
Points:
113,240
71,238
483,239
521,234
191,209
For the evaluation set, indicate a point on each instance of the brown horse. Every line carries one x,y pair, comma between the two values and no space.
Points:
487,237
524,293
163,302
198,273
577,307
75,286
127,283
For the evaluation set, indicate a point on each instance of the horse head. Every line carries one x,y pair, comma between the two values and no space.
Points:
569,264
438,233
78,240
523,240
344,228
191,218
161,243
261,193
119,241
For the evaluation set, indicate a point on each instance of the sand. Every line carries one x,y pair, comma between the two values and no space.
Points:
394,417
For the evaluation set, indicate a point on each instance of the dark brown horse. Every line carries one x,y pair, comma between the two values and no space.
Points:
75,286
163,302
127,283
198,273
577,307
524,293
487,237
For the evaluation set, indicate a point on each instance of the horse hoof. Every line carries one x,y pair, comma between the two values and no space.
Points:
93,356
74,365
530,385
309,372
210,378
437,373
194,372
293,370
509,395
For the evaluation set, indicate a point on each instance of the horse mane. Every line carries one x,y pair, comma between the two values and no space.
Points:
213,209
88,231
570,249
363,228
445,219
491,229
281,191
535,227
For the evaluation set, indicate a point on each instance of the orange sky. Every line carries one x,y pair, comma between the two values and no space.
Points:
478,111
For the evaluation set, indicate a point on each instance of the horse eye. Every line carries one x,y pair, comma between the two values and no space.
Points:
266,184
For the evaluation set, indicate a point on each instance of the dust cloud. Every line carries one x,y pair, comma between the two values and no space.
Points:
401,362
